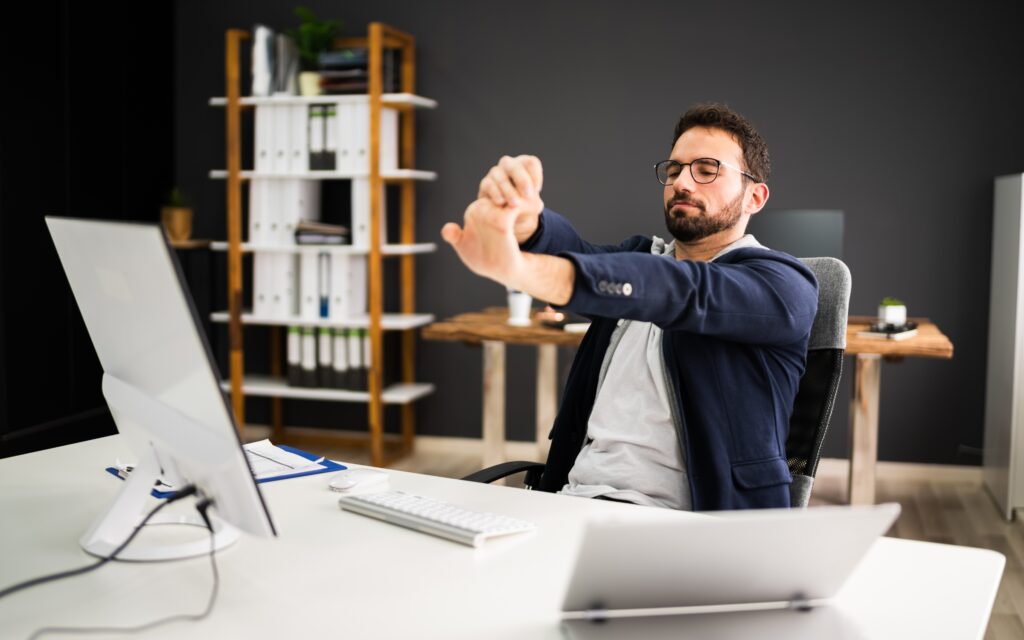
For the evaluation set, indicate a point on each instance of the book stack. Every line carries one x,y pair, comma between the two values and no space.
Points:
347,71
888,331
313,232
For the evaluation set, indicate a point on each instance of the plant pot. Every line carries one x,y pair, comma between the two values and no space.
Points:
894,314
177,222
309,83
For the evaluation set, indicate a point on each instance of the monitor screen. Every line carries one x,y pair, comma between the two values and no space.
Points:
804,233
160,379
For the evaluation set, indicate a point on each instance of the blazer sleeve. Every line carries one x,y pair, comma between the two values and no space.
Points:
555,234
750,295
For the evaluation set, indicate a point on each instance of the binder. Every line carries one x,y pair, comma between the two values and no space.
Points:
355,359
316,137
388,140
360,123
282,292
280,148
308,362
323,276
257,211
286,66
331,137
264,138
298,124
339,286
367,357
325,349
309,286
346,141
357,272
340,362
262,60
361,213
294,355
261,276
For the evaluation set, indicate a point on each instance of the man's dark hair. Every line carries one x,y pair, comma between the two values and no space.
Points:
719,116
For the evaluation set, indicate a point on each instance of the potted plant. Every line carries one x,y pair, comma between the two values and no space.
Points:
892,311
176,216
312,38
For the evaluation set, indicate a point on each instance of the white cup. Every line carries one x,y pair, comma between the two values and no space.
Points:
519,308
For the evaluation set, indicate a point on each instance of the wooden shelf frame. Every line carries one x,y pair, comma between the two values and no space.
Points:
379,37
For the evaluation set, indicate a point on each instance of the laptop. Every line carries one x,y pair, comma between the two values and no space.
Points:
741,561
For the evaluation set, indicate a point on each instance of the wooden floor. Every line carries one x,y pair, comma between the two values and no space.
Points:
939,504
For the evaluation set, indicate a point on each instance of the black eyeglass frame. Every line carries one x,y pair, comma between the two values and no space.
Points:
718,170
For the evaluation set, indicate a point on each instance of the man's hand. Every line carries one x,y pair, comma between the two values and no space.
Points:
486,242
516,182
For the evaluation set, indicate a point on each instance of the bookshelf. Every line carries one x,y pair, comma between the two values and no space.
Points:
383,449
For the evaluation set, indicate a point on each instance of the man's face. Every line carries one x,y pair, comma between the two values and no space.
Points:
694,211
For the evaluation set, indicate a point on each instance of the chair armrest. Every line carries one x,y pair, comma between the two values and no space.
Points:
499,471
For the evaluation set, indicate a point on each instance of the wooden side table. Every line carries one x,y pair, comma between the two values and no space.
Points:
490,329
929,342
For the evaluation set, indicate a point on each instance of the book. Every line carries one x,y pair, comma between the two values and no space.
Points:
311,232
886,331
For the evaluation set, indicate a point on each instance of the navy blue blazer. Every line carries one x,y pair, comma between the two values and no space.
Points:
734,345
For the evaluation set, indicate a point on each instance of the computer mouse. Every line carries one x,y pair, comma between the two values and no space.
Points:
352,479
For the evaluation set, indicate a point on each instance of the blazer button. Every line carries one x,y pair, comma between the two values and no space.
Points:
618,288
627,289
602,286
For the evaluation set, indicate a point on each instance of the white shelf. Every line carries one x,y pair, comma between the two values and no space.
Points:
395,99
267,386
388,321
394,174
345,249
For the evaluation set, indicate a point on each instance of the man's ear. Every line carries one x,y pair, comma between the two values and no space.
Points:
757,198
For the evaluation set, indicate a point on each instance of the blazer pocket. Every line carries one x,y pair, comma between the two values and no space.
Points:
762,473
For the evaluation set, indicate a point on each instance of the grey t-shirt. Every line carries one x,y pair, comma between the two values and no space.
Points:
632,451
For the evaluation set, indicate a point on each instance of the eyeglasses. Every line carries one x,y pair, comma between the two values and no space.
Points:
703,170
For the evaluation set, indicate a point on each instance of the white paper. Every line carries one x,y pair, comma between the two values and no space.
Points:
270,461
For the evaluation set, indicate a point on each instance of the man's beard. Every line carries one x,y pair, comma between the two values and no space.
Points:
692,228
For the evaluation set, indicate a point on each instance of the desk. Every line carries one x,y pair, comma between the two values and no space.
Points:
340,574
490,329
929,343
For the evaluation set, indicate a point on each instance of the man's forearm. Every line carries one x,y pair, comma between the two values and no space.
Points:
548,278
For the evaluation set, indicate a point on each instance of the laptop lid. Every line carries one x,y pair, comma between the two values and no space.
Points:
738,560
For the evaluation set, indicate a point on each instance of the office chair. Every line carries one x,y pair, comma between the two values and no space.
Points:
815,397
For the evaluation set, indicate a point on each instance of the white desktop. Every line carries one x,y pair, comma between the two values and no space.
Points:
335,573
161,385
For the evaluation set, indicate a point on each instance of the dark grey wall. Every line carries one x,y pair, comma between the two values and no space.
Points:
898,116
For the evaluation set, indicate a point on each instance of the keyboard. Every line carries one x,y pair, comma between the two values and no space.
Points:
434,516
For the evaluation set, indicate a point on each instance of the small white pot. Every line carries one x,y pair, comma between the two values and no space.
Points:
309,83
893,314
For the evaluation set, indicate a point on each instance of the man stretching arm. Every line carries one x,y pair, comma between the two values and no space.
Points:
682,390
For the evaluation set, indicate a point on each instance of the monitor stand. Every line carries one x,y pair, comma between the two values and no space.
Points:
129,405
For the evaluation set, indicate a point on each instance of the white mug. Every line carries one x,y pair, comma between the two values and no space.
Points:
519,308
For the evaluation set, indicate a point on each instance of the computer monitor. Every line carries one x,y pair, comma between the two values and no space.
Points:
804,233
161,384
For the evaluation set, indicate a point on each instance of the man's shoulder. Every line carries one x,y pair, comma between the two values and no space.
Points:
763,254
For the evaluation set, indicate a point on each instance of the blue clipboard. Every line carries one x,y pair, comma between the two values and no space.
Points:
328,466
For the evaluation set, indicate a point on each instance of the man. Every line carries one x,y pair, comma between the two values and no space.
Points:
681,392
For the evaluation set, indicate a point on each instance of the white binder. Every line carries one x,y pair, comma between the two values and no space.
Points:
262,266
281,147
258,211
283,295
331,126
340,288
309,286
316,135
361,213
344,158
360,135
264,138
388,140
298,120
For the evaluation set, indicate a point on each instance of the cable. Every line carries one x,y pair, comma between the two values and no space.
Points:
202,506
184,492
